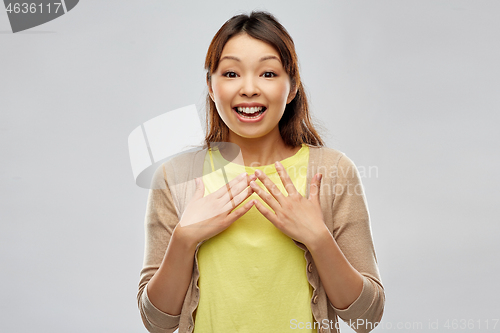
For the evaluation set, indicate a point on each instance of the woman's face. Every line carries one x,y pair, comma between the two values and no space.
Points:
250,88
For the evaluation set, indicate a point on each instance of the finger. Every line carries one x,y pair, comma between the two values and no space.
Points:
250,178
266,212
315,187
237,213
242,196
200,188
271,187
231,193
242,178
268,198
285,179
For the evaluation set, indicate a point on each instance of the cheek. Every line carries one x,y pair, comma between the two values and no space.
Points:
222,98
280,98
281,92
221,93
285,92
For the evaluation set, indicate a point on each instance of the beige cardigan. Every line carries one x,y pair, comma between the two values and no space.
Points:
345,213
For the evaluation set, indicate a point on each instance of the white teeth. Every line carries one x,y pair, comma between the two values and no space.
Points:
250,110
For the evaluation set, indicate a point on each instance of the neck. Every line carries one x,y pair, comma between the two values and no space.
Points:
264,150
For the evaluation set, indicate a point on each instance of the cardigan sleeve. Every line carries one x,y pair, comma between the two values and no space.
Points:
352,232
161,218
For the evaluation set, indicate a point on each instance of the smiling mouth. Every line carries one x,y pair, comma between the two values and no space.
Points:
250,113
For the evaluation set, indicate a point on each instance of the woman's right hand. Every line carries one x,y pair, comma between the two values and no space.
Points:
205,217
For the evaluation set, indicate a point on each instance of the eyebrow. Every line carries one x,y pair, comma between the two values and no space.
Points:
261,59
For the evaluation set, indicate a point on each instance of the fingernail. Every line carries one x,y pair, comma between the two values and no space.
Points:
257,172
277,164
320,176
243,175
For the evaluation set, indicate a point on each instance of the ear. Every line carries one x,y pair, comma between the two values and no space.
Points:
210,91
292,94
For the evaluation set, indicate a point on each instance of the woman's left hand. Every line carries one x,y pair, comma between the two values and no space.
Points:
297,217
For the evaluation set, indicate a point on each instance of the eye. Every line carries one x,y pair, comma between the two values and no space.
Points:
229,74
269,74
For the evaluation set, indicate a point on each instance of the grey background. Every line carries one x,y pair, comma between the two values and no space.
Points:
411,87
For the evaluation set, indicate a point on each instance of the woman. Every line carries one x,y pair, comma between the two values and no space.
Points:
279,247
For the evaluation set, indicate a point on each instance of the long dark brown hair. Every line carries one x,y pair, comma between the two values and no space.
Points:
295,125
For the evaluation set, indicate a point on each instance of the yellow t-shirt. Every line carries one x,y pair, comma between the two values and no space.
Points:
252,276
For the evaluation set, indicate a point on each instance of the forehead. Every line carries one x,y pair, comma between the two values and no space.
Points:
245,47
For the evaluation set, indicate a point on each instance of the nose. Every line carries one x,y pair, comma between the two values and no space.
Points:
249,87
